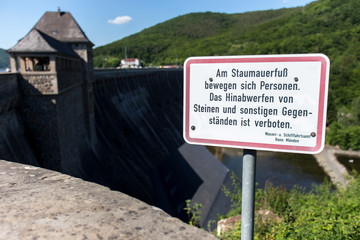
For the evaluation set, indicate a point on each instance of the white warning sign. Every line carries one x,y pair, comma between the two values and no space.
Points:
268,102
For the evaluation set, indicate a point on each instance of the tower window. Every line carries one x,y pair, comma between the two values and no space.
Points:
42,64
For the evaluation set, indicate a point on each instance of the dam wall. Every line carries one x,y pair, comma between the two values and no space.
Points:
137,129
52,108
137,148
139,125
14,143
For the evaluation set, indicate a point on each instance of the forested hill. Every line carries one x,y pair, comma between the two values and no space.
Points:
4,59
188,35
331,27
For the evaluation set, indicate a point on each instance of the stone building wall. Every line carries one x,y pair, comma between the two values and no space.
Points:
38,84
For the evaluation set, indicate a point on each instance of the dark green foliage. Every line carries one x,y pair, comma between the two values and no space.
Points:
331,27
274,198
347,137
4,59
193,211
234,195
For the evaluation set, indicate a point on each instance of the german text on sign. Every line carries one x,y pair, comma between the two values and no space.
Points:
268,102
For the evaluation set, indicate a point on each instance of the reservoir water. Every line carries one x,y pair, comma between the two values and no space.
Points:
280,169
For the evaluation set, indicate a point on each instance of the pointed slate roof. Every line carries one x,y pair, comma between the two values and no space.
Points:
37,41
61,26
51,34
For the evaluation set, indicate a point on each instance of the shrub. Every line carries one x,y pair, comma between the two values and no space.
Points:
322,213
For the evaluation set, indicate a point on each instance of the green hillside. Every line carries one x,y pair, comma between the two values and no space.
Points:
4,59
331,27
188,35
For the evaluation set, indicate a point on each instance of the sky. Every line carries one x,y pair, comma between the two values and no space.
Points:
105,21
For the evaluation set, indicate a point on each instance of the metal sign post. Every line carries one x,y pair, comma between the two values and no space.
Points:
248,194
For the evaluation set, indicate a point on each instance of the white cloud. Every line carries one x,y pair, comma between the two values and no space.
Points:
120,20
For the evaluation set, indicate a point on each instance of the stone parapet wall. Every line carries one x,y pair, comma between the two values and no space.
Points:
40,204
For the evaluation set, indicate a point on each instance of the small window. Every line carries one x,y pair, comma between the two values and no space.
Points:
42,64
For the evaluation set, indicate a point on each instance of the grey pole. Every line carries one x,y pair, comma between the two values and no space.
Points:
248,194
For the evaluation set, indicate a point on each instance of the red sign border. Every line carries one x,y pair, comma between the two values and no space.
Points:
324,79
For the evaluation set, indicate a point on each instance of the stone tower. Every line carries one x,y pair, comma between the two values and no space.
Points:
54,61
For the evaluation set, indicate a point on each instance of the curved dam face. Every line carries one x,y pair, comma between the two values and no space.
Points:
138,117
137,147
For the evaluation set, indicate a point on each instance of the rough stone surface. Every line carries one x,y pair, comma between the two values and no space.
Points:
41,204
